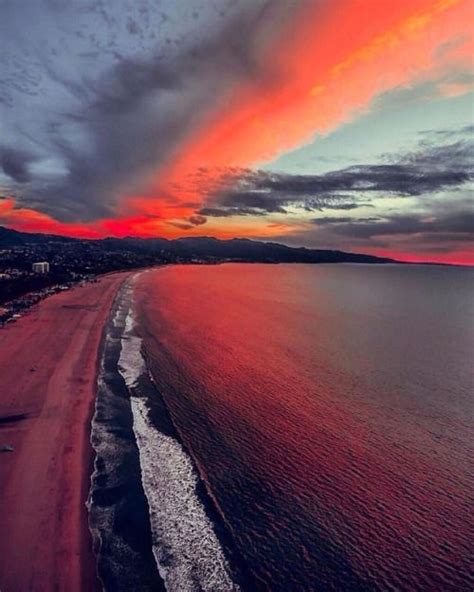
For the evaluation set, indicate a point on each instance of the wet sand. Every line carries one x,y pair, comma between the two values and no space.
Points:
48,370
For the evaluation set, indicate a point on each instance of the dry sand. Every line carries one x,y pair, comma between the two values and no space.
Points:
48,370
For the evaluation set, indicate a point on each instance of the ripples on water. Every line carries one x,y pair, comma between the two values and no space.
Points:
328,410
187,551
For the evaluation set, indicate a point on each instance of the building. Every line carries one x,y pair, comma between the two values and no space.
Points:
41,267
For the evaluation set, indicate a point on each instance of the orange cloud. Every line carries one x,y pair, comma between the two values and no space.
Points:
326,68
330,67
27,220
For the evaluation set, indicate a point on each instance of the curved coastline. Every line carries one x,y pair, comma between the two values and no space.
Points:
54,348
140,457
118,509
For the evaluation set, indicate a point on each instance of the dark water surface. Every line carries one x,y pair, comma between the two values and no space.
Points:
328,410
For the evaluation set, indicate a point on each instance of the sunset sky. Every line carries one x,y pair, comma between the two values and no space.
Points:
341,124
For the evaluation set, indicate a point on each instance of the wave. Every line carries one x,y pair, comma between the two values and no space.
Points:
186,548
131,364
118,509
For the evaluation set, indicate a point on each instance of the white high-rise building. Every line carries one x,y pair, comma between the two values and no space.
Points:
41,267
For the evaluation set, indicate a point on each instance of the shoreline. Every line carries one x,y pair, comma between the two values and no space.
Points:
46,478
118,510
157,431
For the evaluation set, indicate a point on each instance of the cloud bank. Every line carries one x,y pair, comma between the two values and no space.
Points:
430,169
118,126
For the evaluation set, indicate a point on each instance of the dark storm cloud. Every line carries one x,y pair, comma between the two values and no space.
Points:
238,211
337,204
442,225
425,171
197,220
250,199
15,164
126,124
181,225
341,220
188,223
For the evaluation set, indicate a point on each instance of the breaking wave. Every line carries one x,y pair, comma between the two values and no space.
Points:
118,509
186,548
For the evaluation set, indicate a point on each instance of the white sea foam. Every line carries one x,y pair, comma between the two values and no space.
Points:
131,364
187,552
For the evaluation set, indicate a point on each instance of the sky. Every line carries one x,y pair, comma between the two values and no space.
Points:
341,124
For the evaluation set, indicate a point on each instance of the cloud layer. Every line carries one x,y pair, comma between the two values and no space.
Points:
430,169
122,124
159,118
435,179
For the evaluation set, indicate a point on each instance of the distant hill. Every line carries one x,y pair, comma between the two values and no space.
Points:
205,248
12,238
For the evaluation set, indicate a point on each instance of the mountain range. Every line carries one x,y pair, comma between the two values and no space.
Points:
189,248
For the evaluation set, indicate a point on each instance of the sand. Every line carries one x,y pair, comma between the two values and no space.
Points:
48,371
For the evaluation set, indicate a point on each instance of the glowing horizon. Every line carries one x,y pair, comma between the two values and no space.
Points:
328,67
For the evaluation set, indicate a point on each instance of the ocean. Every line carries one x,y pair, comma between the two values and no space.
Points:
286,427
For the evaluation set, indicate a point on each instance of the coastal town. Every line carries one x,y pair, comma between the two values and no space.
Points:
14,309
34,266
25,282
32,271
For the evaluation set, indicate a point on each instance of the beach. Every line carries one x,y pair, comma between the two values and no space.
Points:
48,369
